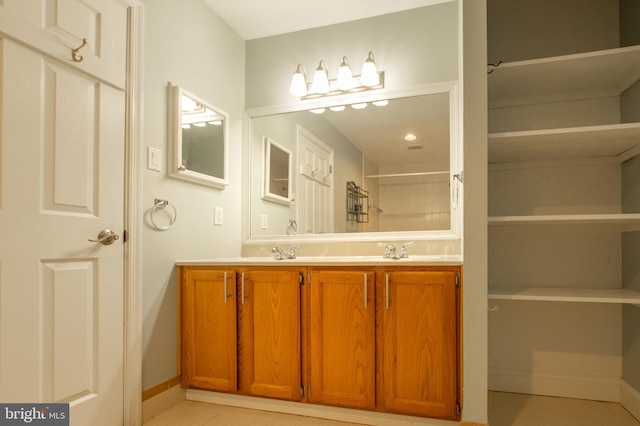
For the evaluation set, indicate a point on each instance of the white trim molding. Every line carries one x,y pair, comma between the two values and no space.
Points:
132,388
550,384
630,399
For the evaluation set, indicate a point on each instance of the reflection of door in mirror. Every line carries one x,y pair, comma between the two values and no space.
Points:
315,184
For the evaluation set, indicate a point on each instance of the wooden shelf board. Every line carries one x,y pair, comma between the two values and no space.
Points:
605,219
583,295
605,72
576,142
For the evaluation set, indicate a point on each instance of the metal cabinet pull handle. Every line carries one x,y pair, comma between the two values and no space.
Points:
225,288
242,288
386,286
106,237
366,291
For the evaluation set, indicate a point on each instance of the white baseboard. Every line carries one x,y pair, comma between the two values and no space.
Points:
630,399
312,410
568,386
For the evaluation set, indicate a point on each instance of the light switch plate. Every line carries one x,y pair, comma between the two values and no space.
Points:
264,221
217,216
153,159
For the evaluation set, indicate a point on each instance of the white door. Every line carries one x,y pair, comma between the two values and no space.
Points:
315,184
62,182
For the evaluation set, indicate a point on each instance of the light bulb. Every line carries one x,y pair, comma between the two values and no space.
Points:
320,82
369,76
345,77
298,82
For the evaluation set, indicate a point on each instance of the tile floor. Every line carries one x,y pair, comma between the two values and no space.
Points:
505,409
511,409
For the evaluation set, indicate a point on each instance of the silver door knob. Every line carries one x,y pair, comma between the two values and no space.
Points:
106,237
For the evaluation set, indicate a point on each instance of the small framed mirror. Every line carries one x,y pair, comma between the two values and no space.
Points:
276,176
199,137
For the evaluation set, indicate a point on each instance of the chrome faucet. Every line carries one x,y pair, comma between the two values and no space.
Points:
280,254
391,252
404,254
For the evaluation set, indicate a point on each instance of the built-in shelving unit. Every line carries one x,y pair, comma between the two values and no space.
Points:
558,143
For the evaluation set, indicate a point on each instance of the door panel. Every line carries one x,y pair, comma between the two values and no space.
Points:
209,329
315,185
342,338
418,341
61,296
270,329
58,27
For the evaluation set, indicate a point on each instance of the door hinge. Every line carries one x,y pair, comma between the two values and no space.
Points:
125,236
458,408
457,279
301,391
301,278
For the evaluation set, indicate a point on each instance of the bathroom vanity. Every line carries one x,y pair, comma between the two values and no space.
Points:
367,333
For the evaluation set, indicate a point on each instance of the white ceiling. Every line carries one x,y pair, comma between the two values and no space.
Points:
256,19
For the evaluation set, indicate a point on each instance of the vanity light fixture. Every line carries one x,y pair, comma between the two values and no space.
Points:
337,108
345,82
383,102
317,110
359,106
201,124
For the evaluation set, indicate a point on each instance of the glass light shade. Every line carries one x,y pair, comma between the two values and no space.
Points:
369,76
345,77
320,82
298,82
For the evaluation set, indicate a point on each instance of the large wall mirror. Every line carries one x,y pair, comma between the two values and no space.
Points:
386,167
199,137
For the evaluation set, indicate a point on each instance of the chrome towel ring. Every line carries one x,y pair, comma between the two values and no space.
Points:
160,204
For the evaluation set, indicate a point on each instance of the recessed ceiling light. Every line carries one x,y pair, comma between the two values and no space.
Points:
410,137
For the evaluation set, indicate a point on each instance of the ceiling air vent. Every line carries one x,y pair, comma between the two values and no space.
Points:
411,147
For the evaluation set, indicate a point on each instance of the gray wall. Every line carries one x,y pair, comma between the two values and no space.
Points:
519,30
188,45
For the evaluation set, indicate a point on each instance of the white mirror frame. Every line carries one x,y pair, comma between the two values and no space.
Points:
175,166
455,177
267,145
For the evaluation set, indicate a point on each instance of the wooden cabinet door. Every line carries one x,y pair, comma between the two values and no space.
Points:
342,338
417,342
208,324
269,323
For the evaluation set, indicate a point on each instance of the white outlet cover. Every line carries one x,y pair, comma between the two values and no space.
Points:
217,216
